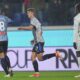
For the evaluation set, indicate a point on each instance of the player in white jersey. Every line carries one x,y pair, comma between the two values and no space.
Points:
37,42
76,40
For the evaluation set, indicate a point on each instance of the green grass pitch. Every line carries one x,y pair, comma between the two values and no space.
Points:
44,76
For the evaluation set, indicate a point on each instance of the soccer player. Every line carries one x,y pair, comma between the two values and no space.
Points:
37,42
5,62
76,43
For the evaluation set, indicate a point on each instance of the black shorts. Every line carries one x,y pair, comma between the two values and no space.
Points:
3,46
38,48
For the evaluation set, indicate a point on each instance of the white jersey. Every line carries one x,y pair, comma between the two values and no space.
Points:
77,30
37,30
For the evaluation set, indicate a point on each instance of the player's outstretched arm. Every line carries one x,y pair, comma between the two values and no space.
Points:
26,28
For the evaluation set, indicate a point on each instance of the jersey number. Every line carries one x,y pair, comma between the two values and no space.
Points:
2,27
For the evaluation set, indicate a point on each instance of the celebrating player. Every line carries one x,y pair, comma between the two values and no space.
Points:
76,43
5,62
37,42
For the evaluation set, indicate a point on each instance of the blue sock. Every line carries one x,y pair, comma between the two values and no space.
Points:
48,56
35,65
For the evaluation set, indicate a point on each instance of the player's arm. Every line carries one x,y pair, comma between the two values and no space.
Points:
9,20
26,28
75,33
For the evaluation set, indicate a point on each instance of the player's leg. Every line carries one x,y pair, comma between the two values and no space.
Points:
5,46
42,57
78,56
34,62
3,61
35,65
5,51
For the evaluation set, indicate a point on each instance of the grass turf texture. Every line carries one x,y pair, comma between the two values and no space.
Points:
44,76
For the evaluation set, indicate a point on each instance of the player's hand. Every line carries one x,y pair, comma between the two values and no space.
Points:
20,28
75,45
32,42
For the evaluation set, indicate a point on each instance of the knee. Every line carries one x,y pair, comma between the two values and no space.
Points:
40,59
33,58
2,55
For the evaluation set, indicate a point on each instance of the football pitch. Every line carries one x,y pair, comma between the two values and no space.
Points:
44,76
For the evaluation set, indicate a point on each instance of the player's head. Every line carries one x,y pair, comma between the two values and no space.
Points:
31,12
77,8
2,12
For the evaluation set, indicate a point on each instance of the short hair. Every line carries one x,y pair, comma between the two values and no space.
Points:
2,11
78,8
31,10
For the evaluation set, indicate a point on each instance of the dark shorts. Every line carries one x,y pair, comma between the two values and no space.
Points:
38,48
3,46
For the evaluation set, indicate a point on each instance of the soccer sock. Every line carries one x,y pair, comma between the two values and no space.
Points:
8,61
48,56
79,61
4,65
78,56
35,65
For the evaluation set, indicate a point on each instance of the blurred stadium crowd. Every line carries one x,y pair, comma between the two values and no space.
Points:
49,12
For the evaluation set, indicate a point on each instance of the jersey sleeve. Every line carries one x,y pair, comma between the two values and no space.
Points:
76,25
35,23
8,20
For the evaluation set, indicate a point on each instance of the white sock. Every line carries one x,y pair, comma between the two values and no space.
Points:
79,61
10,69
